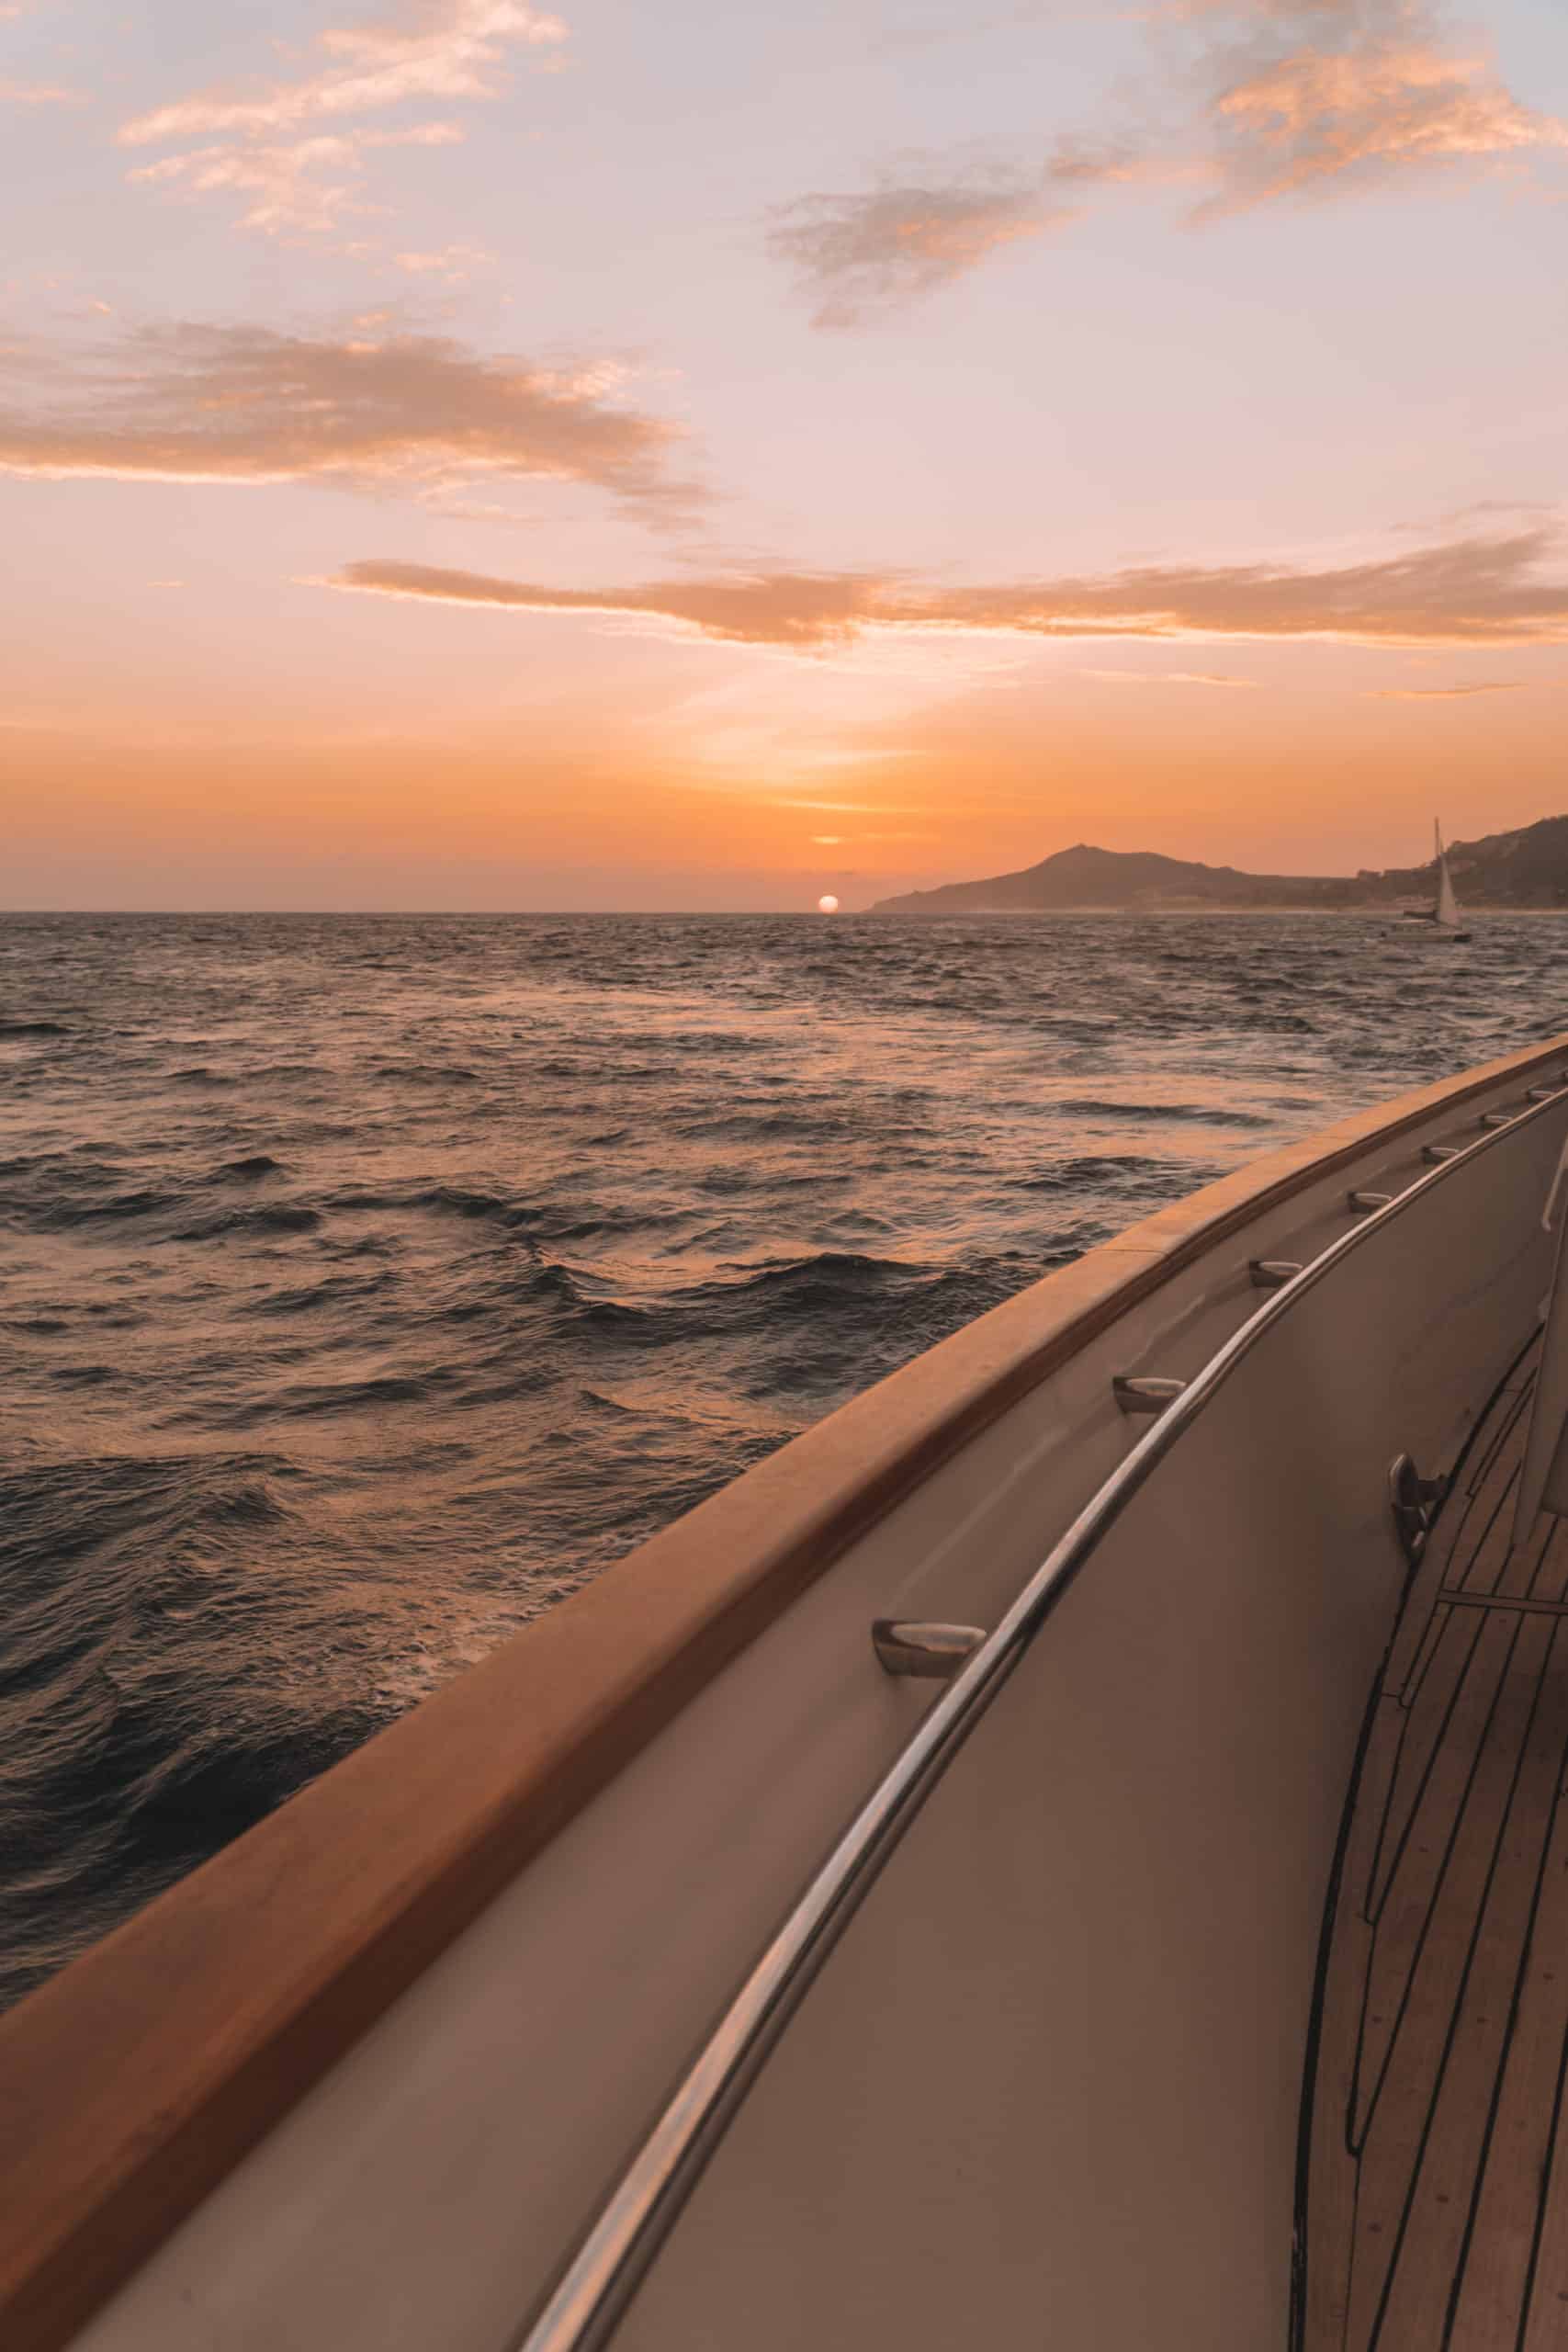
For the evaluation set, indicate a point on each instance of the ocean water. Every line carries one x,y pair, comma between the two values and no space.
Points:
368,1283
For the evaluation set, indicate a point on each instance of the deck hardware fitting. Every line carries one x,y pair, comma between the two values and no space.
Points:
1369,1200
1540,1093
1414,1502
1273,1273
931,1652
1144,1393
1435,1153
1497,1118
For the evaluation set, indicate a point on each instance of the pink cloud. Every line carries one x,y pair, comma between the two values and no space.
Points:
38,93
1475,592
1262,101
268,146
1315,122
299,186
1444,693
442,48
864,256
243,404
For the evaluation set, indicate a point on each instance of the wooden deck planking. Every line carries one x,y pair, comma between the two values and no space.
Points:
1428,2270
1443,2040
1428,1933
1439,1736
1334,2173
1507,2200
1484,1555
1546,2321
1549,1577
1512,1401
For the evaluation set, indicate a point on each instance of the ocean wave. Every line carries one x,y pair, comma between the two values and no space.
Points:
332,1295
472,1203
276,1403
1119,1176
271,1217
249,1170
138,1729
829,1287
1134,1115
769,1125
117,1207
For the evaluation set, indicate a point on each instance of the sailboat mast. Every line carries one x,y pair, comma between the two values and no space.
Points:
1444,921
1446,912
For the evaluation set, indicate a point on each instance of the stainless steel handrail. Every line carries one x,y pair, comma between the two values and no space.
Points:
586,2306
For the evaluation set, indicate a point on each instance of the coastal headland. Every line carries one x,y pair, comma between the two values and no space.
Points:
1522,871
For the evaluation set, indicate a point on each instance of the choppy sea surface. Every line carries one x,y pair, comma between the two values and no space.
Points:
367,1284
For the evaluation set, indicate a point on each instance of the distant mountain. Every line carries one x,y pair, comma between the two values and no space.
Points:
1529,868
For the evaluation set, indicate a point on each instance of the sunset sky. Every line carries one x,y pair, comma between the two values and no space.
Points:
464,456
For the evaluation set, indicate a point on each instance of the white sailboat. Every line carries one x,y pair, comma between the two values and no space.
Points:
1441,920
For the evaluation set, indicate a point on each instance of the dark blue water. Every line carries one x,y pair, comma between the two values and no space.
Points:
368,1283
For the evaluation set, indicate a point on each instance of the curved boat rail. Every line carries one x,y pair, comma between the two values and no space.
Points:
593,2294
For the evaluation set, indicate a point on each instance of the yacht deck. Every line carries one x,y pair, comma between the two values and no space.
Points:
1437,2190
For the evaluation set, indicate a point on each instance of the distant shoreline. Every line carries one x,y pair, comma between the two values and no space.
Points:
1045,914
1529,869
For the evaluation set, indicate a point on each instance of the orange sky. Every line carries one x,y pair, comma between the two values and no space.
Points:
464,457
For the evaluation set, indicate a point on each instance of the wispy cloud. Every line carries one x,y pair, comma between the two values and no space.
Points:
1165,678
300,184
965,25
852,808
441,49
451,263
243,404
38,93
1476,591
797,609
1260,101
268,142
1444,693
1354,95
863,256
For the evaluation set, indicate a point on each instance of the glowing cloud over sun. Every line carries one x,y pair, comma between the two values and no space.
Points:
1473,592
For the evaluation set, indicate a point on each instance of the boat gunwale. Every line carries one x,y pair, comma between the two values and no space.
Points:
135,2080
600,2281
